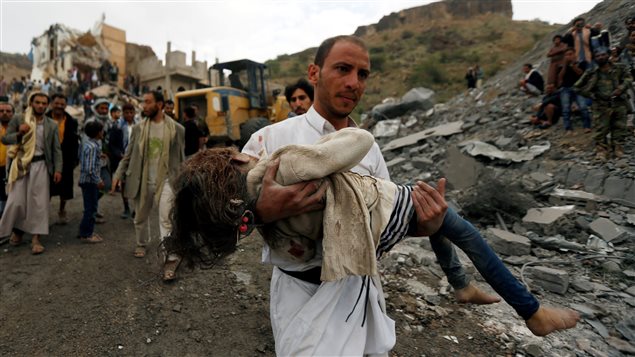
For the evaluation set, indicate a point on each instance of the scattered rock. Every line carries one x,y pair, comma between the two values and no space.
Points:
550,279
608,230
507,243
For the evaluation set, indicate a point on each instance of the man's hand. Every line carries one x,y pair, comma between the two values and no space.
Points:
430,207
116,184
23,129
57,177
101,185
277,202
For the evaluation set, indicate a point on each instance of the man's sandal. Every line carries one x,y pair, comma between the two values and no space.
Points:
139,252
15,240
95,238
169,269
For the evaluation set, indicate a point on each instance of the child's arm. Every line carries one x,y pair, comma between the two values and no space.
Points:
337,152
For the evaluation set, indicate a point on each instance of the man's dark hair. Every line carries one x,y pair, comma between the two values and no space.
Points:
127,106
58,95
93,128
300,84
528,65
38,94
169,101
157,95
189,112
568,49
578,19
556,36
115,109
327,45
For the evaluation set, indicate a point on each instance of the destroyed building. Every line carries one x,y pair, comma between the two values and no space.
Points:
174,74
61,48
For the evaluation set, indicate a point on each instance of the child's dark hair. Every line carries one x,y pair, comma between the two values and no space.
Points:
210,199
93,128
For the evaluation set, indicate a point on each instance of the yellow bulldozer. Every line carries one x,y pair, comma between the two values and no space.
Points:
238,106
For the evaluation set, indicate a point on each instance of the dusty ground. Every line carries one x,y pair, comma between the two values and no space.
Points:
80,299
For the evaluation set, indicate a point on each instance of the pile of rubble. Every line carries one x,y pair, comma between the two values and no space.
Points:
562,222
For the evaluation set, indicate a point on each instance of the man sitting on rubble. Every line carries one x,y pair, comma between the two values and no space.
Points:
548,111
533,83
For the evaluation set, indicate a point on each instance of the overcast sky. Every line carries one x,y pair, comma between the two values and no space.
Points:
230,29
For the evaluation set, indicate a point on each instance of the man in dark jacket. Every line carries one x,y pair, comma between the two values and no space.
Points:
69,140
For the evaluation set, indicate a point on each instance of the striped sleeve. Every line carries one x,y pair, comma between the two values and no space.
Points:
399,222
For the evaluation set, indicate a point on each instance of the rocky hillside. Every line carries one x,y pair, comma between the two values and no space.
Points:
561,220
14,65
432,46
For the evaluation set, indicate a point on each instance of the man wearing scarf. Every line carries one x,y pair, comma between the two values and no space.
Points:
36,155
155,152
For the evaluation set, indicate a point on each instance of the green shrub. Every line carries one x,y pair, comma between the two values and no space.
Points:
274,67
377,62
377,49
427,74
406,34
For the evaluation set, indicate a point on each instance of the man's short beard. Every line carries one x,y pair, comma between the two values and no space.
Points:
40,113
152,114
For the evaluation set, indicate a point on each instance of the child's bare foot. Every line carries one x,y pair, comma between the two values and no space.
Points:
547,320
473,295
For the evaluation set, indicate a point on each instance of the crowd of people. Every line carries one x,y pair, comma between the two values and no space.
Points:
210,198
589,76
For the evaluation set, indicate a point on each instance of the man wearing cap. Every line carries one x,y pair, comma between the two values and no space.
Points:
607,85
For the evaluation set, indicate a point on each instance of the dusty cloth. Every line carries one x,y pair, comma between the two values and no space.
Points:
22,154
27,206
345,224
169,134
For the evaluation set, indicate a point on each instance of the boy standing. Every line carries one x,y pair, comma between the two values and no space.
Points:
90,180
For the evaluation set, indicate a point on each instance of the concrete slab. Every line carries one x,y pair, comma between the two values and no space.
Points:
547,215
615,187
462,171
608,230
508,243
478,148
594,181
550,279
441,130
395,161
577,175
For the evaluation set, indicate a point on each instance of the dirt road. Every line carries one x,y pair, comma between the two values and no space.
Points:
98,300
